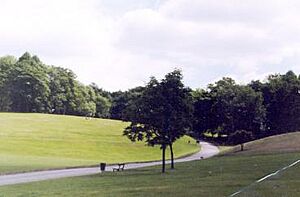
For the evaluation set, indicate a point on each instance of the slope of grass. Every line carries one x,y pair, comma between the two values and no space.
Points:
219,176
284,143
41,141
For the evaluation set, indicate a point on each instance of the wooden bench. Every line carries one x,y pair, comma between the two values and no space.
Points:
120,167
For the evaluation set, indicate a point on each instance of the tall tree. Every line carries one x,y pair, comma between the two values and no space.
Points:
203,118
102,101
282,100
29,85
236,107
178,108
6,65
122,102
61,82
162,113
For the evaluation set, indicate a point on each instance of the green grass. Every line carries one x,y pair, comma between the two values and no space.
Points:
41,141
284,184
219,176
224,149
284,143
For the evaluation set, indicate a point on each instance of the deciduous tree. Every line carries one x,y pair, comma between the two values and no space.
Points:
161,114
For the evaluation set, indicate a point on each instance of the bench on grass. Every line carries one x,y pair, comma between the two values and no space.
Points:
120,167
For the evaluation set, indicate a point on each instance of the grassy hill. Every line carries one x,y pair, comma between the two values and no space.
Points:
42,141
284,143
218,176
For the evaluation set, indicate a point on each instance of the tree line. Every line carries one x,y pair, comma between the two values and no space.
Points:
162,111
225,109
262,108
28,85
259,109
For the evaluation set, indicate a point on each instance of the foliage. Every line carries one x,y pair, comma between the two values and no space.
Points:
263,108
227,107
161,114
123,103
240,137
5,65
28,85
282,100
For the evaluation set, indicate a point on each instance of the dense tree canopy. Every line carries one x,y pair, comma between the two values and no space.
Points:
28,85
226,107
282,100
223,108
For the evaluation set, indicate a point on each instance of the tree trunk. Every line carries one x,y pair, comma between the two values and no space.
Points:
172,155
163,158
242,147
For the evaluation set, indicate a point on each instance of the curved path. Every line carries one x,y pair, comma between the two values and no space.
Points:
207,150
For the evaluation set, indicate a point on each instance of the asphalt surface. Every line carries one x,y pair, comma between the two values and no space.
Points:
207,150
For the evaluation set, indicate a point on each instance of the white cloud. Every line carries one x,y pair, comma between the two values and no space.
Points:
120,44
244,39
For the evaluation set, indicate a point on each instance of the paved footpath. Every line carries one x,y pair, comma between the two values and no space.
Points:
207,150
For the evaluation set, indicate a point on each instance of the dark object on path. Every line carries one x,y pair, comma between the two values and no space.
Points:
120,167
102,166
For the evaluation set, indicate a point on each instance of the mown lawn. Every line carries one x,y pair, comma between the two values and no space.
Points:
283,143
42,141
286,183
219,176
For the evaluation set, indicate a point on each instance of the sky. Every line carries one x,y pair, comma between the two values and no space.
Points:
119,44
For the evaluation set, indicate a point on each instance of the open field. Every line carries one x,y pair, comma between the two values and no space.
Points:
218,176
41,141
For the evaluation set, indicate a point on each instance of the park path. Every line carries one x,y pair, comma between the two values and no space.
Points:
207,150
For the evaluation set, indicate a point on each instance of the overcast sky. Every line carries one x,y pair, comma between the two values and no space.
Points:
119,44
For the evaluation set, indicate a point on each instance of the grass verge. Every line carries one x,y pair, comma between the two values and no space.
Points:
219,176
